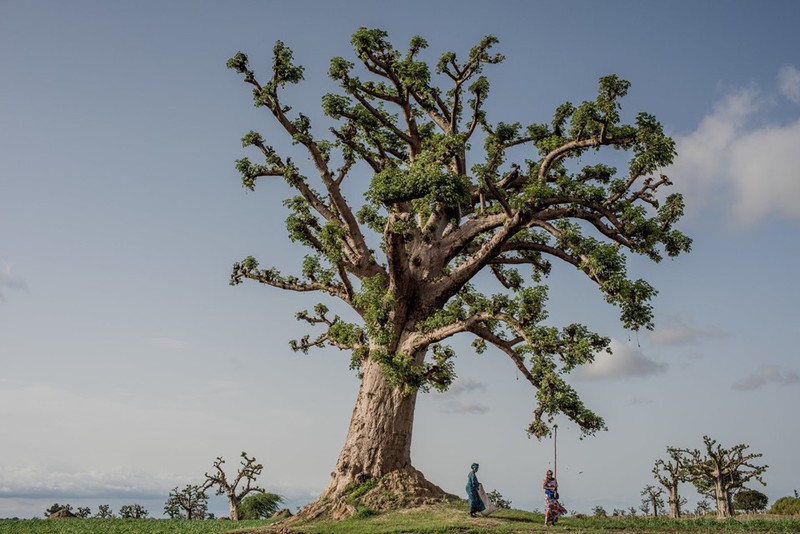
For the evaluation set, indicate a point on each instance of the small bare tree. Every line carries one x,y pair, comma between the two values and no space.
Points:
248,472
652,499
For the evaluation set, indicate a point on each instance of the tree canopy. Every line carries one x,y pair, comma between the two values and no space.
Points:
443,212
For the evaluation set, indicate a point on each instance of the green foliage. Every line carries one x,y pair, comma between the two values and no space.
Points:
750,500
133,511
355,491
786,506
259,505
497,498
442,211
189,503
599,511
104,512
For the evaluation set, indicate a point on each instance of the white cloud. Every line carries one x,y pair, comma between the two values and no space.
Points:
682,331
789,82
34,481
768,374
752,171
625,361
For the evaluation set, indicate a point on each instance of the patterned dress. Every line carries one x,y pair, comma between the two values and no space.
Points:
552,508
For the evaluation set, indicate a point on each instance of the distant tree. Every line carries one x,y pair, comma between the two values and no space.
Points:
190,503
104,512
632,511
259,506
669,473
133,511
729,469
618,512
497,498
83,512
750,500
703,507
786,506
652,499
599,511
442,212
248,472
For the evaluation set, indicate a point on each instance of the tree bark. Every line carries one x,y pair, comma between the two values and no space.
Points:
233,505
377,449
674,502
721,498
379,437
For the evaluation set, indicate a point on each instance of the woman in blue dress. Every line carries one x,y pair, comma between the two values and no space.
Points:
475,502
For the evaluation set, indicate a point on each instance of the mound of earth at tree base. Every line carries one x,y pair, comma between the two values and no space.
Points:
405,488
61,513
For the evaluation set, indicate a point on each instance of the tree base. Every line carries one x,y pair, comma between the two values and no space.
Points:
402,488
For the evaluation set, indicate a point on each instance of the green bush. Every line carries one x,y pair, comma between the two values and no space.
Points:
786,506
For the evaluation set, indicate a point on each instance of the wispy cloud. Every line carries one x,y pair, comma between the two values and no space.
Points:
457,398
752,171
625,361
789,83
683,330
768,374
9,281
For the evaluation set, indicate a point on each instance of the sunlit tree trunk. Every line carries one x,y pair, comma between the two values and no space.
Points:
379,437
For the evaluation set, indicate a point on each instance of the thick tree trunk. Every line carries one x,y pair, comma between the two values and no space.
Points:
379,438
233,506
721,498
377,450
674,502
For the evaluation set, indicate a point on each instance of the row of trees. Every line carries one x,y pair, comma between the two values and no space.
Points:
126,511
716,472
246,500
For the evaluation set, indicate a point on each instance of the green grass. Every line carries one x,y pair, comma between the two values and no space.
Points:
453,519
125,526
437,519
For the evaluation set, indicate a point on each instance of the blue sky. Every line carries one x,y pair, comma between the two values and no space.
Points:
129,364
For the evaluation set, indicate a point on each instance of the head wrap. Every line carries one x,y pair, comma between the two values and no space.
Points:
474,466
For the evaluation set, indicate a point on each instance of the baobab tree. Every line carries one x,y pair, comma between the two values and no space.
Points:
669,473
444,213
190,503
248,472
727,469
652,499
